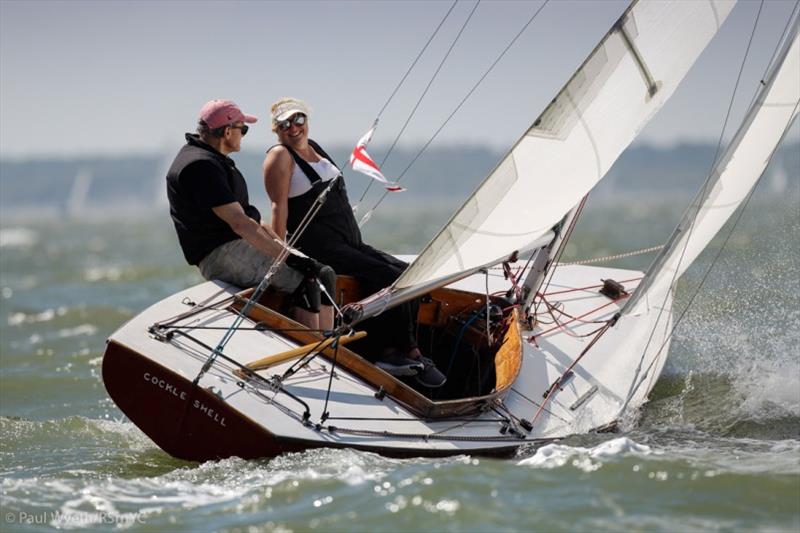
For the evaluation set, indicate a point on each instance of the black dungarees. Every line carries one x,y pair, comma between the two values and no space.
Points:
333,238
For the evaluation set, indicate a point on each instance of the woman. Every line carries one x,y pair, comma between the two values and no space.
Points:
296,171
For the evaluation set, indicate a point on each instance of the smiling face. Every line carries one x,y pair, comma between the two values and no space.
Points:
293,131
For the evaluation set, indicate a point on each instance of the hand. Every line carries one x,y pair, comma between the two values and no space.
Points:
305,265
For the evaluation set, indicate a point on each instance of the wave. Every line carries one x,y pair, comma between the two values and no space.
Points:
23,432
586,459
116,477
683,451
18,237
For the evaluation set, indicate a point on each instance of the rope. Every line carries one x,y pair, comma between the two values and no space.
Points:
617,256
578,289
559,325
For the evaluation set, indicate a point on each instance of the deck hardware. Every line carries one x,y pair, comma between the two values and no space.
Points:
566,378
560,383
381,394
613,289
158,334
215,391
583,398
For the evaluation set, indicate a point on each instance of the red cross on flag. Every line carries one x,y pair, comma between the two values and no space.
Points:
362,162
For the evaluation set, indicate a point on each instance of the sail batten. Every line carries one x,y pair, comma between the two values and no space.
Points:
735,174
574,142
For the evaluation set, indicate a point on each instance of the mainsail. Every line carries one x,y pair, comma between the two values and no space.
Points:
732,178
570,147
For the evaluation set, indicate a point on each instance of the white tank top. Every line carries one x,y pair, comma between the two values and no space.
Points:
300,184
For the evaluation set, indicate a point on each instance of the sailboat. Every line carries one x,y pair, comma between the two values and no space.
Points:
533,350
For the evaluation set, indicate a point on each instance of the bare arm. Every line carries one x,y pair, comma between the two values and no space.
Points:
277,170
248,229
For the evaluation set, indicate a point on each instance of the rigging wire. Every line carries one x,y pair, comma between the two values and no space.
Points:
266,280
422,96
325,413
784,36
710,267
700,197
441,23
457,108
195,308
558,383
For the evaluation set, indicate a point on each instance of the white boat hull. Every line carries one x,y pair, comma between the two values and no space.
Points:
150,377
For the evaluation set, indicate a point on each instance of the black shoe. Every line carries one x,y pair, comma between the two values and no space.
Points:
430,376
397,365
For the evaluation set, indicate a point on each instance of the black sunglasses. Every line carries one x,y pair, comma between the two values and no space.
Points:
244,127
298,119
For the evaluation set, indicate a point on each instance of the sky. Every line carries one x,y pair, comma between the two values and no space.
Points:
87,78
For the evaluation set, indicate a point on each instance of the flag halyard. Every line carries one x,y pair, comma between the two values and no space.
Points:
360,161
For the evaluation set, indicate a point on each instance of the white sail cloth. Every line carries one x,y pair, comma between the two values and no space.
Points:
732,178
623,83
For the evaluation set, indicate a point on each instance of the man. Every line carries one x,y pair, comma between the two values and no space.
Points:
218,229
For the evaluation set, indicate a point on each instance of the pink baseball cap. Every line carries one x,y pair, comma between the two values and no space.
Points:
218,113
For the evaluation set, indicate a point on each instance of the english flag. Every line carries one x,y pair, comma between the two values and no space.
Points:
362,162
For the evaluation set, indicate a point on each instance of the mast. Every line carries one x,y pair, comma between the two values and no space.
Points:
543,260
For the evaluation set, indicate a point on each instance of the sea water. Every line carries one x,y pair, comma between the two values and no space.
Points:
717,448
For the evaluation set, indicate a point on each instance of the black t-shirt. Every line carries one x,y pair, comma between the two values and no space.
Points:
199,179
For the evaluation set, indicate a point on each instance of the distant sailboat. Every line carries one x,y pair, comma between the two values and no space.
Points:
532,356
75,205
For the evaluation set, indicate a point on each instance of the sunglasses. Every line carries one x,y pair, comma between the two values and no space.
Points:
298,119
244,127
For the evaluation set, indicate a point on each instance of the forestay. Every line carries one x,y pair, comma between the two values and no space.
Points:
623,83
732,178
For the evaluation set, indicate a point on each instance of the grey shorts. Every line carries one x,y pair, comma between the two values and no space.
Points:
242,264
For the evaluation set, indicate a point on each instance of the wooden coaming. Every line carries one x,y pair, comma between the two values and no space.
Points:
508,360
435,310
